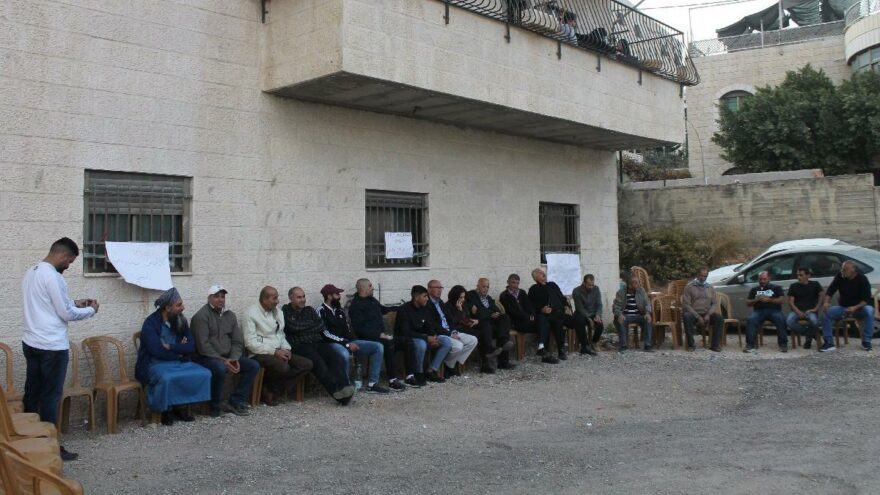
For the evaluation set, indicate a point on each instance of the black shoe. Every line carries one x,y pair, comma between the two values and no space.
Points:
183,415
549,359
541,352
507,346
345,400
715,349
396,385
691,348
67,455
750,350
828,347
432,376
237,409
413,382
648,349
866,346
783,347
450,372
487,370
562,356
167,418
808,343
216,412
588,350
376,389
622,350
343,393
506,366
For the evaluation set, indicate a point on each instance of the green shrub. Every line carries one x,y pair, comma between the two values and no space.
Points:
667,253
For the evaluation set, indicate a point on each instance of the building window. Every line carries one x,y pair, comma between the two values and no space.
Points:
122,207
559,229
734,99
389,211
867,60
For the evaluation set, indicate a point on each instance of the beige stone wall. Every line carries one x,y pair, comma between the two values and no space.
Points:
174,87
407,41
763,213
862,34
746,70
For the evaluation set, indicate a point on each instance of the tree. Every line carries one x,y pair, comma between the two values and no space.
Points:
805,122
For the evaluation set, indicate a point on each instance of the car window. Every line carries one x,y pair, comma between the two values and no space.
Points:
821,264
780,268
867,259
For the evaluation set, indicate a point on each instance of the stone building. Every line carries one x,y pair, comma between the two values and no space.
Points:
275,142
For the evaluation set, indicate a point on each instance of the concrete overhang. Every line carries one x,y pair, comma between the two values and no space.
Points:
400,57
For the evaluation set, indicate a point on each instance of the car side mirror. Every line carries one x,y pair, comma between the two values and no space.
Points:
740,279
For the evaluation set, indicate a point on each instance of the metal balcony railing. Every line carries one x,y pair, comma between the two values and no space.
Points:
861,9
604,26
751,41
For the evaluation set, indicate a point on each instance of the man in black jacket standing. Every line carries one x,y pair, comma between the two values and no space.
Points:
365,313
522,316
493,329
554,311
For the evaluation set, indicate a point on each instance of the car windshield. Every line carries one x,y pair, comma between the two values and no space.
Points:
867,258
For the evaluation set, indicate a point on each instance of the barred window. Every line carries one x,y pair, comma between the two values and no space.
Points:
559,229
123,207
389,211
733,100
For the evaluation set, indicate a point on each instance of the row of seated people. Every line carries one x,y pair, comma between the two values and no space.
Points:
181,362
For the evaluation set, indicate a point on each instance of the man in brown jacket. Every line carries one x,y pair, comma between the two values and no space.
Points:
699,303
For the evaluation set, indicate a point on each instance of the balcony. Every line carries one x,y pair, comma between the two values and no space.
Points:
862,33
586,72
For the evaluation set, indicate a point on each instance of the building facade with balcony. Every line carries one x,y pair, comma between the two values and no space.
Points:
275,142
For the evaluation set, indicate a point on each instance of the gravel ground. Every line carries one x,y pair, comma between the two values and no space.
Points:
668,422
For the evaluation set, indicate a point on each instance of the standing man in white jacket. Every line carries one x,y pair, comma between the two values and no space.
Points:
45,341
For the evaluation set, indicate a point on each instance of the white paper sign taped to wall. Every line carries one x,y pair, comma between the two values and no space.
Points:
565,270
144,264
398,245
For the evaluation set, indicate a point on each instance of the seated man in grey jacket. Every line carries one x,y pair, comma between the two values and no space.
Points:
632,306
698,301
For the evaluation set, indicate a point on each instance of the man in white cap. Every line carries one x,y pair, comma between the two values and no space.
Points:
220,348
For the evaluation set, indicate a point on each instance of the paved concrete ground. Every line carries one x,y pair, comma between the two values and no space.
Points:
665,423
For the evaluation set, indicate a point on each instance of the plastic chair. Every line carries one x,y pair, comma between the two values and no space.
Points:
38,450
75,389
53,464
11,394
644,278
105,382
664,317
25,477
25,427
676,289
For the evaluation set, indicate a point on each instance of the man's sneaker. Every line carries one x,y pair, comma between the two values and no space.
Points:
376,389
506,366
450,372
237,409
432,376
783,347
420,377
344,392
67,455
808,342
549,359
622,350
715,349
828,347
542,351
345,400
691,348
648,349
562,355
866,346
412,381
216,412
750,350
507,345
588,350
396,385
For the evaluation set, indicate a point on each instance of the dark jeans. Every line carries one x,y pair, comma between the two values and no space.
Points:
623,330
558,320
248,369
492,333
596,329
282,375
44,384
758,317
528,326
327,366
690,323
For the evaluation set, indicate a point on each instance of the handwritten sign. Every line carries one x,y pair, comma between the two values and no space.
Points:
144,264
565,270
398,245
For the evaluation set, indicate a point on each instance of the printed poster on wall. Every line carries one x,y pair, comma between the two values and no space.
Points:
144,264
398,245
565,270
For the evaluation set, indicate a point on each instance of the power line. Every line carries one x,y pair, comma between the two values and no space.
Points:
700,4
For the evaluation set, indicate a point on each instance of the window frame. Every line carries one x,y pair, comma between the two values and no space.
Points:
570,229
409,212
162,196
736,96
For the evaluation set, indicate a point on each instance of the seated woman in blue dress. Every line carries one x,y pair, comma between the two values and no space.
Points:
163,361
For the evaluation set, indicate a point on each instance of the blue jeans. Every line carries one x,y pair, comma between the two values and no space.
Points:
441,351
623,329
835,313
374,351
44,382
809,330
419,347
758,317
248,369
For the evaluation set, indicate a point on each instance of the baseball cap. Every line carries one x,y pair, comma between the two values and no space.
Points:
330,289
216,288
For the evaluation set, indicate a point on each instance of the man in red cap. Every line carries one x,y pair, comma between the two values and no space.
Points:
340,333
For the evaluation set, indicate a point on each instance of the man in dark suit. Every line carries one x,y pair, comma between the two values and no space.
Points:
554,312
522,316
493,329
